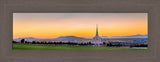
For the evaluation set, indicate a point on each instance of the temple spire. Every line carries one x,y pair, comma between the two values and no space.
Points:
97,30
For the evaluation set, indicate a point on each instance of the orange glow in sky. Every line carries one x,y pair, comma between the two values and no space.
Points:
53,25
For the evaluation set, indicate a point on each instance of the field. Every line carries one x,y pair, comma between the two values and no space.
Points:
17,46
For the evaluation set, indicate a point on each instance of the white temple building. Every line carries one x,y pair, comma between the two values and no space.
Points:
97,40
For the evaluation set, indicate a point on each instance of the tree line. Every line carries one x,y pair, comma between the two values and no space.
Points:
108,44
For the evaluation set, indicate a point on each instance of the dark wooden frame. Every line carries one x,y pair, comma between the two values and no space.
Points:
7,7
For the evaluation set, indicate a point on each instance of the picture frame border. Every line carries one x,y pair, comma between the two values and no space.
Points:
8,7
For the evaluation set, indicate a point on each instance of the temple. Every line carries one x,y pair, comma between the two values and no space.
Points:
97,39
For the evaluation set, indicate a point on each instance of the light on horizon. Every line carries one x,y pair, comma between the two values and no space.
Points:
53,25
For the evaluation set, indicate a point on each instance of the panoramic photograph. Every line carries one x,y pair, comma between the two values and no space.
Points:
80,31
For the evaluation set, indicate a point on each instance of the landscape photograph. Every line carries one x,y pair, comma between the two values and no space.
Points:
80,31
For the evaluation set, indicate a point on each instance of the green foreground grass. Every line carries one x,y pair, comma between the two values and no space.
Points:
17,46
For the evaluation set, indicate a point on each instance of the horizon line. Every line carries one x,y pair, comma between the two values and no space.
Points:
74,36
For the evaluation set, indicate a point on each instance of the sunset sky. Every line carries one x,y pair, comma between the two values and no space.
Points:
53,25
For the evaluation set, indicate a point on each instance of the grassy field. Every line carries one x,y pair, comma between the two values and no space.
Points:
17,46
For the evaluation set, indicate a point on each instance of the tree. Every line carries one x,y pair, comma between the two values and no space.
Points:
104,43
14,41
25,42
33,42
22,41
109,44
89,43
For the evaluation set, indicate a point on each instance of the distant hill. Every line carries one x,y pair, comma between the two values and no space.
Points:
134,36
59,38
68,38
93,37
74,38
27,39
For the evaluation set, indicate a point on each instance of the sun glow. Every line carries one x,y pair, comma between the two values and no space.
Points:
52,25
